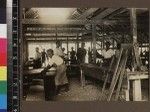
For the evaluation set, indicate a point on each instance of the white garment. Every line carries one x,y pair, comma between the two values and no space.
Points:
58,51
60,78
55,60
37,55
108,54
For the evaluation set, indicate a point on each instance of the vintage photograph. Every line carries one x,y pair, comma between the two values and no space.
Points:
85,54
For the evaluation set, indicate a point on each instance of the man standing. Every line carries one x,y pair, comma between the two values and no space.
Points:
37,59
44,56
57,62
58,51
81,53
73,56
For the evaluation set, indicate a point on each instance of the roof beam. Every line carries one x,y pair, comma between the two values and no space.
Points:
72,22
105,13
114,13
87,13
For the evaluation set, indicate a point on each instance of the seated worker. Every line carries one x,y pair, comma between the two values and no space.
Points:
37,59
81,53
60,78
106,54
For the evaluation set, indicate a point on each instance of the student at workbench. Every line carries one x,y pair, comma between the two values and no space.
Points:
58,63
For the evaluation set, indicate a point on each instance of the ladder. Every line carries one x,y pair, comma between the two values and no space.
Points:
106,79
119,71
116,74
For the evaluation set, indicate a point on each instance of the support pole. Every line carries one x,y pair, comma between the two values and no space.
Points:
77,41
67,46
137,95
133,21
94,41
103,38
56,32
149,69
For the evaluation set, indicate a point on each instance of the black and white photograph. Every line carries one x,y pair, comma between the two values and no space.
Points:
85,54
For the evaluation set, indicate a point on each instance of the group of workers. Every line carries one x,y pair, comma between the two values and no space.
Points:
53,59
56,59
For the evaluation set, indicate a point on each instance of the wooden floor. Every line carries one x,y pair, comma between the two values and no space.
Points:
91,92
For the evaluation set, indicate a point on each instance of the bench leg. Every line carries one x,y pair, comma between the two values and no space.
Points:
127,91
82,78
137,95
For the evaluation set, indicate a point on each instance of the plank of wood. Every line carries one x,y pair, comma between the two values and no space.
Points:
137,94
137,56
135,77
82,77
106,79
133,21
121,77
94,41
127,96
112,86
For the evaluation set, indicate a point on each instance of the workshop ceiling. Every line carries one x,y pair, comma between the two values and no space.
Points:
73,21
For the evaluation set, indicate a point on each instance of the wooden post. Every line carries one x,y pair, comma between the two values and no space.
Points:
133,21
82,77
127,95
103,42
67,46
136,83
77,41
149,70
94,41
25,45
137,95
24,14
56,32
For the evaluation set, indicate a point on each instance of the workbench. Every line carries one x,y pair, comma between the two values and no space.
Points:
135,78
31,74
95,71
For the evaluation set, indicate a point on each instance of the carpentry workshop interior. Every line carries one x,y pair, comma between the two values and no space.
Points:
85,54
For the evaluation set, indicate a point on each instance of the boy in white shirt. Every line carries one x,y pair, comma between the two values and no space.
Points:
58,63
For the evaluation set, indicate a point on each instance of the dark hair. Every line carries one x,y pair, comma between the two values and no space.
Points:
58,42
118,45
83,43
50,50
107,43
